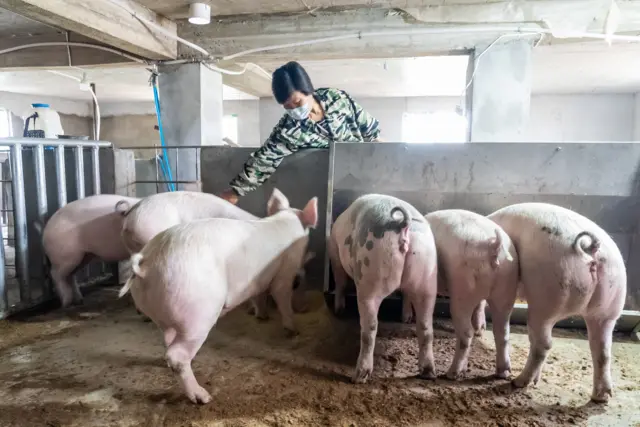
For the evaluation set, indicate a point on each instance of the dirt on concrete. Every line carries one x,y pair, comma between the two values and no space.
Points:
101,365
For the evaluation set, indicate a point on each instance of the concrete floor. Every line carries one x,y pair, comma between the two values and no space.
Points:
102,365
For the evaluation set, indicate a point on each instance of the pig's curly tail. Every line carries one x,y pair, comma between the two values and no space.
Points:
404,223
582,248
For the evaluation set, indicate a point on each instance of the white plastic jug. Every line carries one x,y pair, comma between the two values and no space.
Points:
42,119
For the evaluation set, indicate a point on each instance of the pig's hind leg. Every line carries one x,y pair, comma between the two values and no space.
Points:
62,275
540,341
368,306
479,319
259,307
340,276
600,333
183,342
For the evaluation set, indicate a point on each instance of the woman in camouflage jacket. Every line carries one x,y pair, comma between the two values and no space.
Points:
313,119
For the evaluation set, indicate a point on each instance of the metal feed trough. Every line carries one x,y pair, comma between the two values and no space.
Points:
42,176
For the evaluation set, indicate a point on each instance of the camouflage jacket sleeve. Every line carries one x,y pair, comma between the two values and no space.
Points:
264,161
369,125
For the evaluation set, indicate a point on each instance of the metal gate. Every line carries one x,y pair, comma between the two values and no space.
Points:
38,177
181,171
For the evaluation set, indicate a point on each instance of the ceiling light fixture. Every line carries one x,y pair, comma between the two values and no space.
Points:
199,13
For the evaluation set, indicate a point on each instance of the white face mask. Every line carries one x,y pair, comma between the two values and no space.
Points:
299,113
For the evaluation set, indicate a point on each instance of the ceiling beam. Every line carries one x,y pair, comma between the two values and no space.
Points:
104,21
252,81
398,32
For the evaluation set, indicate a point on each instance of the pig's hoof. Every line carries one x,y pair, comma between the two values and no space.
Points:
407,318
301,308
200,395
453,375
262,317
290,333
428,374
601,394
503,374
478,333
520,382
362,375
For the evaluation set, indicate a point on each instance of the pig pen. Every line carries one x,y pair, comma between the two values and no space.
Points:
38,177
101,365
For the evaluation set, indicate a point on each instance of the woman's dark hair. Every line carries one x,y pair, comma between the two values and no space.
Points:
289,78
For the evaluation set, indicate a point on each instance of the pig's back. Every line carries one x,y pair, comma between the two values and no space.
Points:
463,239
526,223
89,208
461,225
188,206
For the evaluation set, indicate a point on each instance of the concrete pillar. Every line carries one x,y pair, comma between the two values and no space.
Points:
501,92
191,108
636,118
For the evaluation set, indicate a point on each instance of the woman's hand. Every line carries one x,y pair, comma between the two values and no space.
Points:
229,195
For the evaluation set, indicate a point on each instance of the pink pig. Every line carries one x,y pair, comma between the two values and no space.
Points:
159,212
382,254
191,274
78,232
568,266
476,261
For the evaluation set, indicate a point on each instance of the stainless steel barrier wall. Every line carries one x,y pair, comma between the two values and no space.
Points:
600,181
45,175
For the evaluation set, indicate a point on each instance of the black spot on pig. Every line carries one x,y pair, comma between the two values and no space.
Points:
369,245
358,272
554,231
348,241
366,261
379,219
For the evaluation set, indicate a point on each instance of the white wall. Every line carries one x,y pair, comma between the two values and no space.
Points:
74,115
582,118
388,111
19,104
246,110
552,118
248,113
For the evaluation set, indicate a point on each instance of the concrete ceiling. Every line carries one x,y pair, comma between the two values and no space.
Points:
180,8
13,25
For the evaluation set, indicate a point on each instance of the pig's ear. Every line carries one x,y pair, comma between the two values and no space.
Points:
277,202
309,215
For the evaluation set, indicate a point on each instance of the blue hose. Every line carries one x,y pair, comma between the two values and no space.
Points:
160,161
166,168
